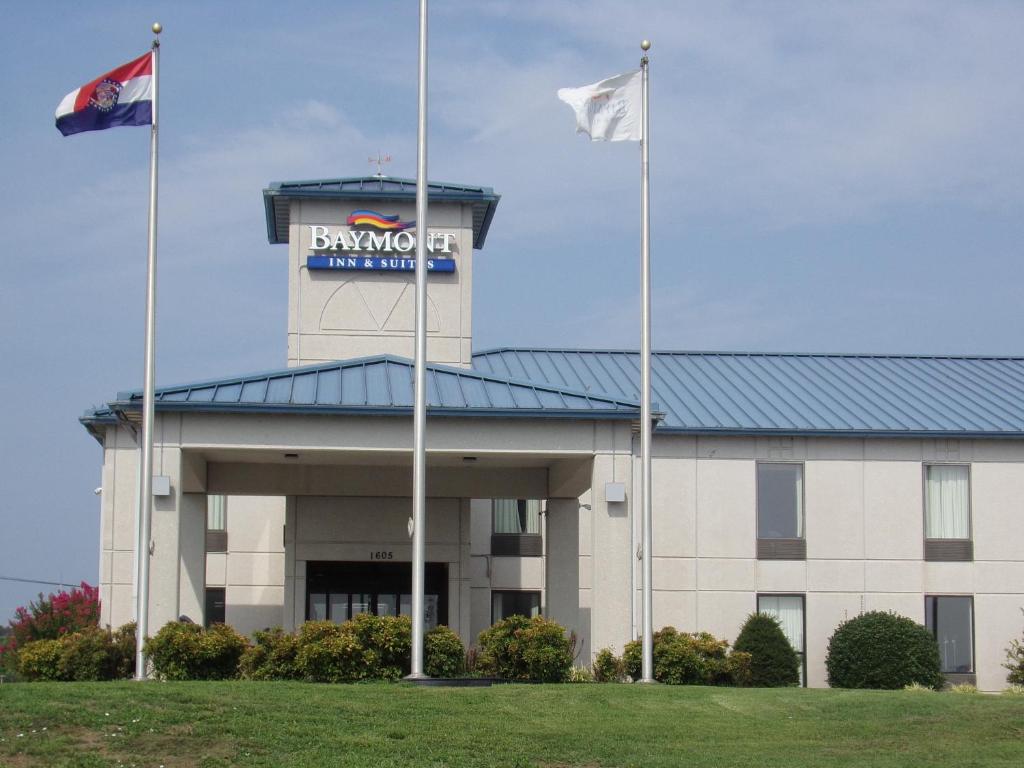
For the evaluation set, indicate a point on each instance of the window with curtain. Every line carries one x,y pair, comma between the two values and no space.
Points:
780,501
516,516
215,513
951,620
216,524
789,610
947,502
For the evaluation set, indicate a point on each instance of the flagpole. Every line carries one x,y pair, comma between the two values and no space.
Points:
419,488
146,484
647,670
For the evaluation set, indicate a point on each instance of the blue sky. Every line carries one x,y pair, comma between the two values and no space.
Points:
825,177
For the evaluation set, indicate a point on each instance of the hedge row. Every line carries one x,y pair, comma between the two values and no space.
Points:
367,647
873,650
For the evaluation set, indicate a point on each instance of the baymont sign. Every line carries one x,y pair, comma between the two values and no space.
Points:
363,241
387,249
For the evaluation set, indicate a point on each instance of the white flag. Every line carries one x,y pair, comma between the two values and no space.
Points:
608,110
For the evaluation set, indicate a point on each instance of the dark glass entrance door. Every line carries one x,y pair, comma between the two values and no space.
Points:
338,591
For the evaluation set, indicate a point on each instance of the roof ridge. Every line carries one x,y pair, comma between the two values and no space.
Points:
741,353
282,185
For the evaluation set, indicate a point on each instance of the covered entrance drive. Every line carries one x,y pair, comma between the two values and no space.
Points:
315,463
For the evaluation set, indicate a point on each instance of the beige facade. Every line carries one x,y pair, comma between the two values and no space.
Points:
305,490
864,527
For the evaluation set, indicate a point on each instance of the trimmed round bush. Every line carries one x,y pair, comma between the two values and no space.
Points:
87,655
882,650
773,662
182,651
40,660
386,642
271,657
518,648
607,667
689,659
443,653
329,653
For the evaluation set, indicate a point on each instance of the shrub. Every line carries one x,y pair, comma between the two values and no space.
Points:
1015,662
49,618
882,650
773,662
329,653
580,675
918,688
443,653
963,688
518,648
182,651
689,659
739,668
367,647
272,657
87,655
221,649
123,639
607,667
40,660
1014,690
386,642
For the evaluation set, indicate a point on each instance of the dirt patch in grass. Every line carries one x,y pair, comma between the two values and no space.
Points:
168,748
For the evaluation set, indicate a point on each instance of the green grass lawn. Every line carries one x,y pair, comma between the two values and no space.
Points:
299,724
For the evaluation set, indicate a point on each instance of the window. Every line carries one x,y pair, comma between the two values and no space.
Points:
214,613
508,603
789,610
516,527
947,512
951,620
216,524
780,512
339,607
337,591
947,502
516,516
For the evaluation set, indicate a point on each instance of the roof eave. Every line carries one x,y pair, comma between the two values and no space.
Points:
577,414
854,433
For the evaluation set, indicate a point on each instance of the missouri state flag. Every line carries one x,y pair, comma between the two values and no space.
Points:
123,96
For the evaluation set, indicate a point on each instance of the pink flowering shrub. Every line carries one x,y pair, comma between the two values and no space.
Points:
52,617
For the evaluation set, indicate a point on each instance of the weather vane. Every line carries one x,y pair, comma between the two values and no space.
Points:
380,160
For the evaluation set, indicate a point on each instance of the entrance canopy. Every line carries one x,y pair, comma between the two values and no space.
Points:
265,433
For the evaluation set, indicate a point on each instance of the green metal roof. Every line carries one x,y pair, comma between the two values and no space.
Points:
277,198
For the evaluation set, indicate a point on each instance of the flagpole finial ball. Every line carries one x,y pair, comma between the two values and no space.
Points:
645,44
157,27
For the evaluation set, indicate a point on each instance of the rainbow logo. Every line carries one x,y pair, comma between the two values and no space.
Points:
377,221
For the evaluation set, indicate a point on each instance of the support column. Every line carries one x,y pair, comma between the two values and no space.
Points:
289,621
563,571
192,553
165,572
